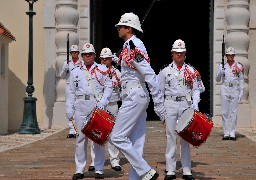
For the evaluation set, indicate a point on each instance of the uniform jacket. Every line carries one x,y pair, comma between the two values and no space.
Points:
189,76
139,70
233,74
79,85
115,76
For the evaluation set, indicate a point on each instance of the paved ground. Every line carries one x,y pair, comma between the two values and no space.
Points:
50,155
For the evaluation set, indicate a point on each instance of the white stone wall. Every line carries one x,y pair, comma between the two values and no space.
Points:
252,60
219,31
4,51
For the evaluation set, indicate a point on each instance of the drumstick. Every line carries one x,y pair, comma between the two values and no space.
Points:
73,123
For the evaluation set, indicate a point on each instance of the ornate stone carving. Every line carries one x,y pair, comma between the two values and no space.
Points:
67,17
237,17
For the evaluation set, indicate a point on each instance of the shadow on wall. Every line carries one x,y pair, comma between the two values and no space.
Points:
17,91
49,96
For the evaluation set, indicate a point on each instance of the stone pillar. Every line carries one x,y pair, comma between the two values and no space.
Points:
66,16
237,18
84,21
252,59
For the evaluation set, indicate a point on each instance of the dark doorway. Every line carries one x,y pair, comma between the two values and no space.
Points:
166,22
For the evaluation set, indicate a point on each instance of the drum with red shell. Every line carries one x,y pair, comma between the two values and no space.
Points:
99,126
194,126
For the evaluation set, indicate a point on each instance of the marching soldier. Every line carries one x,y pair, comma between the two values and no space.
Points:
90,86
182,85
128,134
65,74
112,107
232,89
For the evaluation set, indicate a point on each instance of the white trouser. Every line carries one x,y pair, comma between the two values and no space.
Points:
113,151
70,125
82,110
229,103
174,110
128,134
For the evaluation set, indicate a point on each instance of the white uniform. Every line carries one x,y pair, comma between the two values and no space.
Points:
112,107
128,134
231,92
83,99
178,98
65,74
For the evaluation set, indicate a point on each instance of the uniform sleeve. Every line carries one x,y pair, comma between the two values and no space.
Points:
71,99
241,82
161,80
219,73
107,90
157,95
64,70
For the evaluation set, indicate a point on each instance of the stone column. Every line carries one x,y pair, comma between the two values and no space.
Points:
252,59
237,18
66,16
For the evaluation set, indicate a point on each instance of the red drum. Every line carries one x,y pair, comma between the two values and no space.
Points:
194,126
99,126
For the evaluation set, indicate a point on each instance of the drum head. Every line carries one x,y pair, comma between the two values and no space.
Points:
184,120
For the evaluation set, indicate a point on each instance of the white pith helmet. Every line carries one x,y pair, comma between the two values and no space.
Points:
88,48
74,48
131,20
179,46
230,50
106,53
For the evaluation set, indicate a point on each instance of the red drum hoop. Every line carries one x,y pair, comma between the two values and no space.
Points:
194,127
99,126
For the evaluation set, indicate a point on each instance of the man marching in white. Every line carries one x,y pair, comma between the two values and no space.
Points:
182,85
128,134
65,74
90,86
112,107
232,89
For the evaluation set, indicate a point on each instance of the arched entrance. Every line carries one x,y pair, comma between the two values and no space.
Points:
166,22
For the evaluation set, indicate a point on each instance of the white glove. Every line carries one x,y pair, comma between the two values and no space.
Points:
195,106
221,70
161,112
115,58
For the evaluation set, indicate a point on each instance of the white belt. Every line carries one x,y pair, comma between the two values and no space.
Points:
131,85
229,84
175,98
85,97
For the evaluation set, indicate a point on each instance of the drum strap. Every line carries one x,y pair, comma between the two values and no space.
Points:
89,80
179,79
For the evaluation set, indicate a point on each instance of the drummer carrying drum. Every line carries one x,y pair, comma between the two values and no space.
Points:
182,85
90,86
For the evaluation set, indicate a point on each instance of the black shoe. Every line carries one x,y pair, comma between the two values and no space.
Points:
91,168
155,176
116,168
169,177
78,176
225,138
99,176
71,136
188,177
232,138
